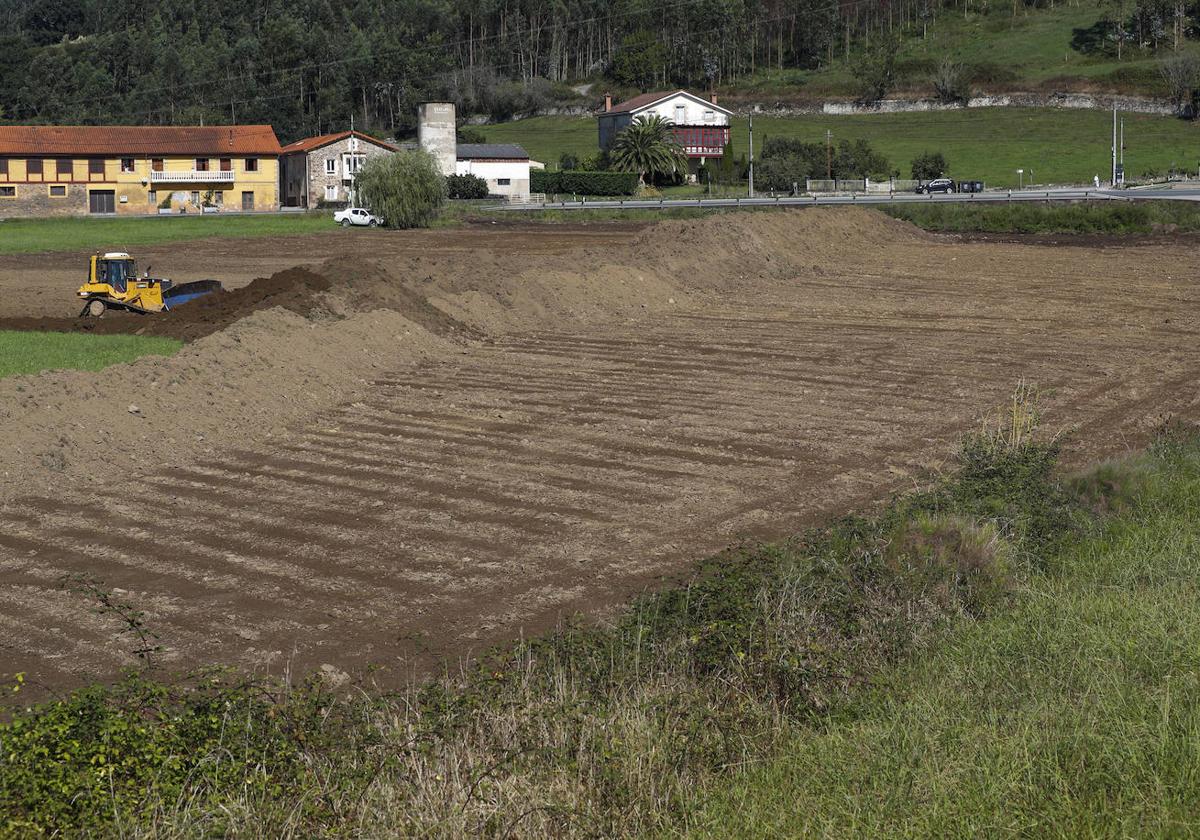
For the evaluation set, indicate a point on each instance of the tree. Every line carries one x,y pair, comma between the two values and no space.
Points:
951,82
648,147
406,188
927,166
640,60
1182,77
875,70
466,186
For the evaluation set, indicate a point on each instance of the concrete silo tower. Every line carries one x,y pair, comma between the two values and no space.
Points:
436,133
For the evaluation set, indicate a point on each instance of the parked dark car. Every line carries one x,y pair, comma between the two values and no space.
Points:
937,185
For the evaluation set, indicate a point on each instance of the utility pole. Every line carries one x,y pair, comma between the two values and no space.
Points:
828,154
1114,149
751,155
1122,145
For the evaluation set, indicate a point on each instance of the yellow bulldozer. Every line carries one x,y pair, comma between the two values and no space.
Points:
113,283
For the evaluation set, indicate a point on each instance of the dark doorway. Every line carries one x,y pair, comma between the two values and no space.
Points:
102,201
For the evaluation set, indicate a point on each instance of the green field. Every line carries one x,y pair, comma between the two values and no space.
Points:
1030,51
987,144
1076,714
33,352
25,236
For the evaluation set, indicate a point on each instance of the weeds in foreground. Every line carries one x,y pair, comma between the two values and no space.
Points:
591,731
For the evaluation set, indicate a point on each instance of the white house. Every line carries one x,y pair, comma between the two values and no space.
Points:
701,125
504,166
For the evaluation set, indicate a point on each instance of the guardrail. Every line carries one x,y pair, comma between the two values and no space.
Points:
854,199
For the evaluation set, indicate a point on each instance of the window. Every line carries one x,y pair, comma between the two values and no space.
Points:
331,166
680,114
58,190
156,164
33,166
354,163
95,167
251,164
151,197
503,182
196,197
126,164
64,168
226,164
201,164
219,198
8,192
247,201
331,192
3,167
709,116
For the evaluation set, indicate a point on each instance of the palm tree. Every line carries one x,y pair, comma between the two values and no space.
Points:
648,147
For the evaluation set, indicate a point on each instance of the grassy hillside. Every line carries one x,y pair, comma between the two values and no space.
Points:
1074,715
1038,49
988,144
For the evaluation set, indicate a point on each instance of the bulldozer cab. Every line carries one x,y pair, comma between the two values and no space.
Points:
113,270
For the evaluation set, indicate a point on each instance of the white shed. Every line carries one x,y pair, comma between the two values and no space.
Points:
505,167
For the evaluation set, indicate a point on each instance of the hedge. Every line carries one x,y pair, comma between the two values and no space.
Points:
583,183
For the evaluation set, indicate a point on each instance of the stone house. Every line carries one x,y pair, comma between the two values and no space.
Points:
321,169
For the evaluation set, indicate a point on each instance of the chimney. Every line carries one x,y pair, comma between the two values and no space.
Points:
607,102
712,97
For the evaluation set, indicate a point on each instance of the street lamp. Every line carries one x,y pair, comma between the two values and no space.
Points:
1020,179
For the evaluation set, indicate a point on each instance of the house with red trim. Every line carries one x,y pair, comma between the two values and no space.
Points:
701,125
321,170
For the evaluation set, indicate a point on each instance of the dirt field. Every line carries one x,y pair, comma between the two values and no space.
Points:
433,450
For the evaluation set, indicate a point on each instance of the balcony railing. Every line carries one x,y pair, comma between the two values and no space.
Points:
195,176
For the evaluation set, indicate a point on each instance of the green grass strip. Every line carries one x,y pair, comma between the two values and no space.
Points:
25,236
33,352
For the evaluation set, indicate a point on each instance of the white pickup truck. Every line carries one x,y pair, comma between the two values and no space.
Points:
356,216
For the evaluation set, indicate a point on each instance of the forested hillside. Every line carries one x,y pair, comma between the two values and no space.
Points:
307,66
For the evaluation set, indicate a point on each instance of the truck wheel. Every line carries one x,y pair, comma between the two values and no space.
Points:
96,308
345,223
374,223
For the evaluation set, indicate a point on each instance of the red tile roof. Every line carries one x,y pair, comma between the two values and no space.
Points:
310,143
115,140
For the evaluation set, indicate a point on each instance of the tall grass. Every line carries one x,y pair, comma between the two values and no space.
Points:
1074,714
617,730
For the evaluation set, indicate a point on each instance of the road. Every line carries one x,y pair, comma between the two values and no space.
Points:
1054,194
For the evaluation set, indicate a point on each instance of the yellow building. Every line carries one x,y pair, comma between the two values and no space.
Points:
137,170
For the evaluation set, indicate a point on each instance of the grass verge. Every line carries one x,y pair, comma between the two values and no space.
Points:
31,236
33,352
1107,217
1074,714
645,725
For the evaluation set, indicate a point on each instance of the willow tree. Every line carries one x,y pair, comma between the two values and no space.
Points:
406,188
648,147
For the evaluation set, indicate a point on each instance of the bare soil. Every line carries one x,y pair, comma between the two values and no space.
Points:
439,450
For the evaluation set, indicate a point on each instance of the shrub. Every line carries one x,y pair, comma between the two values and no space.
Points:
952,82
928,165
584,183
466,134
874,71
567,160
406,188
466,186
